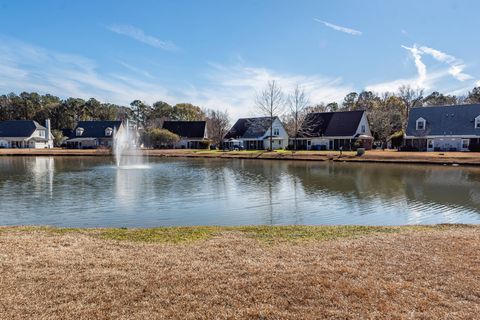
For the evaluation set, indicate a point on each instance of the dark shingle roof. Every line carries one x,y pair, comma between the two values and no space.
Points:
19,128
249,128
95,129
445,120
186,129
331,124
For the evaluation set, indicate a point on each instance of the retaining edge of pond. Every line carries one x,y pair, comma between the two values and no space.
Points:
473,160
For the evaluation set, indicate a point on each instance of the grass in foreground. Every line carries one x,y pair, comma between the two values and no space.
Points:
266,234
379,273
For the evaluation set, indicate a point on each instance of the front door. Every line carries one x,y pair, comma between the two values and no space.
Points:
430,145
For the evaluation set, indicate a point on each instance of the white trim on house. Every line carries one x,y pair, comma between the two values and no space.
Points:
418,121
477,122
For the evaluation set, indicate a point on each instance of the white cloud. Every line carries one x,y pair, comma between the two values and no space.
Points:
456,65
236,87
450,66
139,35
135,69
24,67
421,67
339,28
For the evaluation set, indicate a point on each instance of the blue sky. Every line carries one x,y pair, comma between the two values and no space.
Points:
218,54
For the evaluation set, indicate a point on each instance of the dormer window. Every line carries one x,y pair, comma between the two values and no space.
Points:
79,132
276,131
363,128
477,122
420,124
108,132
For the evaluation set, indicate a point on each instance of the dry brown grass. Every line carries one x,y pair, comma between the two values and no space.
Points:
427,273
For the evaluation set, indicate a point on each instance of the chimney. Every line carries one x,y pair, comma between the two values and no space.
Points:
47,125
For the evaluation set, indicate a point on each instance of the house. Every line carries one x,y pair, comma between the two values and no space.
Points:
334,130
443,128
254,134
94,134
193,134
25,134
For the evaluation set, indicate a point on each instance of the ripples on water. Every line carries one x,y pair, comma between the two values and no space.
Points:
91,191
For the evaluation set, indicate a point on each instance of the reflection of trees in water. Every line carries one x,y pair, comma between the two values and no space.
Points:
441,185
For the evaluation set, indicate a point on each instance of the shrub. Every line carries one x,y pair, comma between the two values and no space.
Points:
158,138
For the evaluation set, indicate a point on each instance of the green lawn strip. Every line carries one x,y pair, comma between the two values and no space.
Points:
271,234
266,234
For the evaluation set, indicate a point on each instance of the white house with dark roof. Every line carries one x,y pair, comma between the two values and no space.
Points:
94,134
25,134
443,128
193,134
254,134
334,130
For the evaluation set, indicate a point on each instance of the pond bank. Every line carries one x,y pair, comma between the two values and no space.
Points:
389,156
245,272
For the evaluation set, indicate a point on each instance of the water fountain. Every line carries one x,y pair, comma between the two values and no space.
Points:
125,151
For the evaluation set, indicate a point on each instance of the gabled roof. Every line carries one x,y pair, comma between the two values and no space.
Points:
19,128
444,120
95,129
186,129
249,128
331,124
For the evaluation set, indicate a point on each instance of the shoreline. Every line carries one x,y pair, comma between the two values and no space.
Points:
371,156
288,272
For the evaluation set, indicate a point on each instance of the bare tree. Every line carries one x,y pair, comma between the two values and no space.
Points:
270,103
218,124
297,102
411,98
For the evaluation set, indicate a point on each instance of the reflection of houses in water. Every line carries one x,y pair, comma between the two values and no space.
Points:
42,169
445,186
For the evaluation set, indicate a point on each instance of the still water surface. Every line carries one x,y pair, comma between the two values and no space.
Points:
92,192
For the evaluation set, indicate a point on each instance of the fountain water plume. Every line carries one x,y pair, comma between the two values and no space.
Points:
127,155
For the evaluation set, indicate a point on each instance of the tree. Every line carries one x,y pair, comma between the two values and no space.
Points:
350,100
218,124
270,103
160,112
157,138
473,96
439,99
58,138
187,112
297,102
411,98
141,112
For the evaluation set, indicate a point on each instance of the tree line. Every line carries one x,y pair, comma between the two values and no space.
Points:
387,112
65,113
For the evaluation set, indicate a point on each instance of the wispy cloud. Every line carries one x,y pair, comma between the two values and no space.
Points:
139,35
449,66
235,86
135,69
340,28
25,67
421,67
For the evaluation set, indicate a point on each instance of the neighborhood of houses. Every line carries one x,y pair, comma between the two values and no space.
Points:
439,128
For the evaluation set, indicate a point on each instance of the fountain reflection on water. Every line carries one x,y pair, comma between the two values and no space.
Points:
125,149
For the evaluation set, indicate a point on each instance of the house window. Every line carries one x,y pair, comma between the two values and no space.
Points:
79,132
363,128
465,143
276,131
421,124
477,122
41,133
108,132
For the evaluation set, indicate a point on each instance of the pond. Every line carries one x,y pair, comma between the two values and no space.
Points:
93,192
